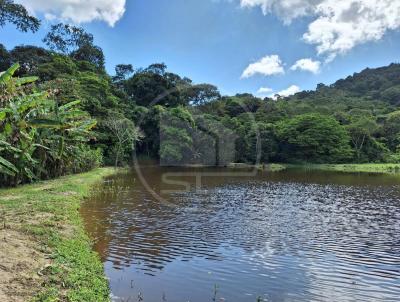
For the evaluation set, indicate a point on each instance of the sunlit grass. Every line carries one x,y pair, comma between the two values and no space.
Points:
48,212
357,168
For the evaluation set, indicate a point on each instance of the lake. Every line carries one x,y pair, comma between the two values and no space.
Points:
235,235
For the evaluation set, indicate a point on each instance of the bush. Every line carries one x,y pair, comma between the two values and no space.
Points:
394,158
86,159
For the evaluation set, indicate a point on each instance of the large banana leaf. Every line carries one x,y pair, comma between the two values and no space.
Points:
7,75
45,123
6,146
88,125
25,80
34,101
69,105
7,168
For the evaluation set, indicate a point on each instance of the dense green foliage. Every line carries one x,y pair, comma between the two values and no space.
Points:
314,138
40,137
166,116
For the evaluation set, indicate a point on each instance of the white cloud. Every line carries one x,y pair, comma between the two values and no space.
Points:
307,65
338,25
78,11
269,65
264,90
287,10
344,24
286,92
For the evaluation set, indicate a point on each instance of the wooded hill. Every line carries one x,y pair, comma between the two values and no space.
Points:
84,117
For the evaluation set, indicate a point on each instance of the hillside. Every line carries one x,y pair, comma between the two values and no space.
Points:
355,120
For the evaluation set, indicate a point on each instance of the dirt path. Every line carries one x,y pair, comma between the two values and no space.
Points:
21,263
44,251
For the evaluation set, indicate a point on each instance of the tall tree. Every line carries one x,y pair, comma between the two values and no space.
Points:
125,136
17,15
201,94
122,73
75,42
154,85
361,131
314,138
5,58
391,129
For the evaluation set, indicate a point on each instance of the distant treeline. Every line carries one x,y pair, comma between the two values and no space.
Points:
75,116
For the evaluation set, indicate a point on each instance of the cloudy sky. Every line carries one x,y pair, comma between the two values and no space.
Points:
258,46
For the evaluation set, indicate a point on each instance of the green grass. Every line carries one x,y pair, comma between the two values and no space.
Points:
355,168
264,167
273,167
350,168
76,272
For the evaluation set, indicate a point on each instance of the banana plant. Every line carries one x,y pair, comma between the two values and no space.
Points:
7,167
37,132
64,129
17,136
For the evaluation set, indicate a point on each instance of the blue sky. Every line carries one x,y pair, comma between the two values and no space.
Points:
214,41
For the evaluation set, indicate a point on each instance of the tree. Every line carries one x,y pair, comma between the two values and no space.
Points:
314,138
5,58
361,131
264,134
89,53
176,140
122,72
75,42
154,86
391,130
30,58
125,136
17,15
201,94
392,95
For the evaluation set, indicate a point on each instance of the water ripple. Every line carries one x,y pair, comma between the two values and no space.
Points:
285,239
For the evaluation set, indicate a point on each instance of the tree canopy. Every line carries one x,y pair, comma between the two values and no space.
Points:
17,14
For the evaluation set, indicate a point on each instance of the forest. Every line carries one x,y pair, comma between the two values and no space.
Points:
62,113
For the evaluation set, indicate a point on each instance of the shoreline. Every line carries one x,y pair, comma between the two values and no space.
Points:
344,168
387,168
351,168
45,253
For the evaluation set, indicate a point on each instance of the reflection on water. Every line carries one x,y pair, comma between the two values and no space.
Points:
287,236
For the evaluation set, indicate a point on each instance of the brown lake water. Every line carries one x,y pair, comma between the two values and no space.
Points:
283,236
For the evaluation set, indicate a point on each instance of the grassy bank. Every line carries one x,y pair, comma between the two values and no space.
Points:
45,254
263,167
350,168
353,168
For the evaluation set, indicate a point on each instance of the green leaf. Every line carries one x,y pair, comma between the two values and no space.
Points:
3,114
25,80
7,129
41,146
29,173
7,167
69,105
6,76
88,125
45,123
9,147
